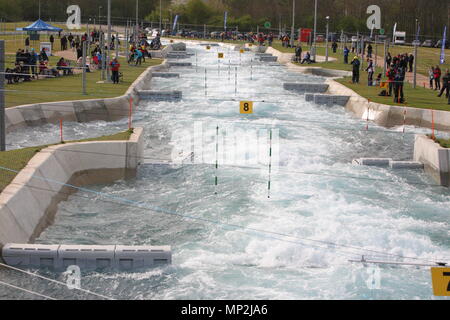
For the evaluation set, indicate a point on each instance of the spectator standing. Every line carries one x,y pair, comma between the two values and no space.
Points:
398,86
411,62
371,70
356,66
334,46
298,53
27,42
346,53
52,40
369,51
115,66
431,76
388,60
390,74
445,85
437,78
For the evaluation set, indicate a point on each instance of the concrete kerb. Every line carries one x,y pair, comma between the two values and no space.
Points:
28,204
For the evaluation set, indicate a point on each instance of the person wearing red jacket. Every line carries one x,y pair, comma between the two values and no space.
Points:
437,77
390,74
115,66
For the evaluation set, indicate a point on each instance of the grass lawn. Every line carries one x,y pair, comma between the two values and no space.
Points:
445,143
416,98
70,87
18,159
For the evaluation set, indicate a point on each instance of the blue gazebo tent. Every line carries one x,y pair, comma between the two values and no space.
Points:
40,25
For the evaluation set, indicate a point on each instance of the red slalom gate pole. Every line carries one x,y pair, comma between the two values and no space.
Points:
130,114
61,130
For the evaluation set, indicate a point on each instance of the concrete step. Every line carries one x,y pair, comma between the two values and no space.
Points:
327,99
373,162
160,95
179,64
165,75
306,87
406,165
268,59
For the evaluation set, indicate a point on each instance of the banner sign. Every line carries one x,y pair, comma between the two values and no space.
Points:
225,18
175,25
444,39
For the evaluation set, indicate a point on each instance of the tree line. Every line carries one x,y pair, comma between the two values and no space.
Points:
246,15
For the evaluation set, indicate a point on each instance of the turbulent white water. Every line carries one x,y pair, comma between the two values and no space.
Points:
316,194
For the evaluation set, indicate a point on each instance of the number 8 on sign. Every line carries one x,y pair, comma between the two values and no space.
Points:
441,281
246,107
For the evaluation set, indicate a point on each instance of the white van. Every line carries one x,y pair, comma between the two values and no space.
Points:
399,37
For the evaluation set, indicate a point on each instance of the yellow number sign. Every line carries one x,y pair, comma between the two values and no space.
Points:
220,55
441,281
208,47
242,50
246,107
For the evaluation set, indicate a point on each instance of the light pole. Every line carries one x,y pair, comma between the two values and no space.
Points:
99,24
315,31
326,40
293,23
108,71
160,17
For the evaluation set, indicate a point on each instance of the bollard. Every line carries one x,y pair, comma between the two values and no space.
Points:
61,130
130,113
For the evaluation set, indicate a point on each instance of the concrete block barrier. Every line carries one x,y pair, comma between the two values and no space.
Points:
306,87
179,64
160,95
165,75
374,162
330,100
268,59
406,165
60,257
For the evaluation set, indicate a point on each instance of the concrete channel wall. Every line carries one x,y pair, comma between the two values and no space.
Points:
28,205
111,109
389,116
435,159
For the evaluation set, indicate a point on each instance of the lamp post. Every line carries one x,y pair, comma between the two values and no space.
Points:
160,17
99,24
315,31
326,40
108,60
293,23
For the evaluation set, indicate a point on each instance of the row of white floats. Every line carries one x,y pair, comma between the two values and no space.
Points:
86,257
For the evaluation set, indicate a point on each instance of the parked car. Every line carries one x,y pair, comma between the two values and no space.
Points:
427,43
439,44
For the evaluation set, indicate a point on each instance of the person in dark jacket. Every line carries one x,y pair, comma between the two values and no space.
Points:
346,53
334,46
52,40
411,62
298,53
369,51
356,66
398,84
445,85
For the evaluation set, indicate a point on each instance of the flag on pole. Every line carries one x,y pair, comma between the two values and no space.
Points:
175,25
225,20
444,39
